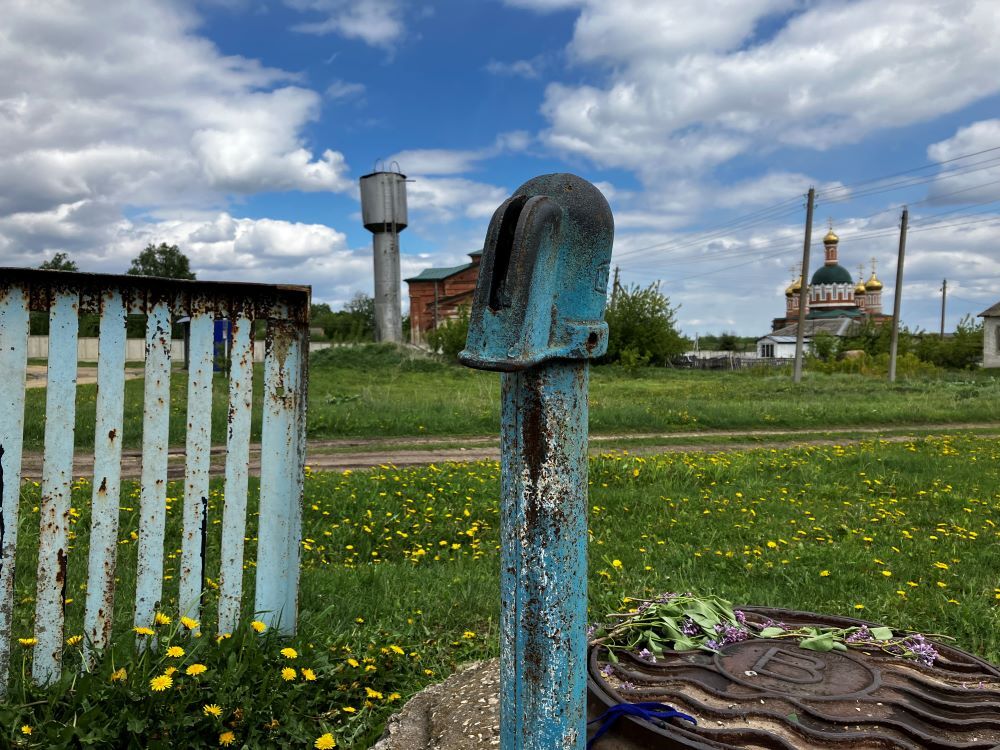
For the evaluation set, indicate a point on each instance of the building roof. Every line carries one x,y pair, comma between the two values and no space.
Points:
834,326
835,313
990,312
835,274
439,274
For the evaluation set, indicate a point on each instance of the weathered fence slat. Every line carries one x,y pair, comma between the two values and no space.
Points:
237,472
198,454
280,489
57,481
153,494
106,495
13,372
63,296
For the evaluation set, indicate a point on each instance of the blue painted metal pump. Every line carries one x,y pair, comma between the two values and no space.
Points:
538,318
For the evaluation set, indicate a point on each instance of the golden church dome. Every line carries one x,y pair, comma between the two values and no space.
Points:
873,284
794,288
860,288
831,238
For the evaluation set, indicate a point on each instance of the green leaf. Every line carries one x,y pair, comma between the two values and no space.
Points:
771,632
612,656
882,634
839,646
822,642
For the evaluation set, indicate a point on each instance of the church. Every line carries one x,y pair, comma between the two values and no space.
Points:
835,303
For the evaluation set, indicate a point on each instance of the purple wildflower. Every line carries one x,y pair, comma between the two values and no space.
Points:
591,629
689,627
628,685
607,670
922,649
713,644
859,635
741,617
646,655
731,633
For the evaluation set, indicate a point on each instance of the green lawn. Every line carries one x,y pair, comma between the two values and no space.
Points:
376,391
400,568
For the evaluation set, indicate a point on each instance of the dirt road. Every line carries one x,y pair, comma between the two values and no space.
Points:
361,453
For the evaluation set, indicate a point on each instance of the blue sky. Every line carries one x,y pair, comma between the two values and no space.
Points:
238,129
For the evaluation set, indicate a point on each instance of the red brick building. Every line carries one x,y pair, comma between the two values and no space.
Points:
436,294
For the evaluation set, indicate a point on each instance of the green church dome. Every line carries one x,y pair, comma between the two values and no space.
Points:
835,274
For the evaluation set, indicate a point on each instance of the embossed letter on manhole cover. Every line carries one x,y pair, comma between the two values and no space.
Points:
782,667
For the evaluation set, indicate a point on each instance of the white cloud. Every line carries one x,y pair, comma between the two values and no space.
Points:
689,86
375,22
118,105
973,179
344,89
439,161
446,198
520,68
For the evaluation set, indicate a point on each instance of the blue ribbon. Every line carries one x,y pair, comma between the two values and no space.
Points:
649,711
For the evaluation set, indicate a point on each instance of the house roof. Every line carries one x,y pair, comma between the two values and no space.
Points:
990,312
439,274
834,326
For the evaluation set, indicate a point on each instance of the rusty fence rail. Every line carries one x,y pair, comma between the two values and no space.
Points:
64,297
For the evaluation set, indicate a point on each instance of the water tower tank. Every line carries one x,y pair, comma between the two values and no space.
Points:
383,201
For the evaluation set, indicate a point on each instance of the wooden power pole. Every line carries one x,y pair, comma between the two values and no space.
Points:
804,288
944,296
897,297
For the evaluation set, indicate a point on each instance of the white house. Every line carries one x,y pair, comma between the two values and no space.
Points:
780,344
991,336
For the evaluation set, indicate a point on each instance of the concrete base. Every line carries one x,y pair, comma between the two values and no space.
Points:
461,713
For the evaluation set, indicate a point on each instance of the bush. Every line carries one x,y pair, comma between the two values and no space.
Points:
962,351
641,327
449,337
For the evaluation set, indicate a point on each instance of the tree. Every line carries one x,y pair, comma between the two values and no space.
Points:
641,327
356,322
449,337
161,260
59,262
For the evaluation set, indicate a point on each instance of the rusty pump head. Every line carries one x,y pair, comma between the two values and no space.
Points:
543,280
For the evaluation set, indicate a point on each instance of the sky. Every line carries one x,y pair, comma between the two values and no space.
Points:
238,129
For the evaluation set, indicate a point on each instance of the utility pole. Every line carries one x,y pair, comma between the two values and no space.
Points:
897,297
944,296
804,290
615,286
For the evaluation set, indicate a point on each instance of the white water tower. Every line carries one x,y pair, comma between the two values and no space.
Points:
383,212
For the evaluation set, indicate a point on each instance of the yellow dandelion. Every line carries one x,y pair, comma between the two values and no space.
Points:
27,641
325,742
394,697
139,630
289,653
74,640
258,626
160,683
161,619
616,564
859,606
27,729
221,637
169,670
227,738
211,709
119,675
396,649
175,652
353,662
824,573
350,710
189,623
941,565
468,634
373,693
288,674
308,675
887,573
195,669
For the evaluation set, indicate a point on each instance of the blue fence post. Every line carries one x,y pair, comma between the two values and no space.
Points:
538,318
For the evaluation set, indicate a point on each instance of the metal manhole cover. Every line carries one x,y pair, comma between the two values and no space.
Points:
765,693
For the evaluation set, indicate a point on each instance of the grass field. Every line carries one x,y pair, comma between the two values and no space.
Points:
377,391
400,570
